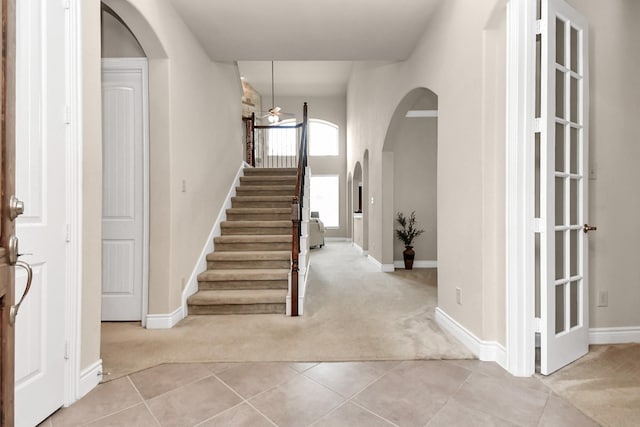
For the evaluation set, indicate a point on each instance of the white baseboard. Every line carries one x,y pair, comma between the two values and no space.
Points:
417,264
614,335
336,239
489,351
386,268
359,249
165,321
201,265
90,378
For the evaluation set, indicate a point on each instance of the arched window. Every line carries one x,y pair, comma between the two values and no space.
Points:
323,138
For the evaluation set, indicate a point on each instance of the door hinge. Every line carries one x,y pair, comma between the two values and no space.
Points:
67,350
67,236
67,115
66,4
537,125
538,225
538,26
538,325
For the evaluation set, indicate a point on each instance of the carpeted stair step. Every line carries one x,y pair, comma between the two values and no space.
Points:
253,301
258,214
268,180
270,171
255,227
249,260
244,279
252,243
265,190
262,201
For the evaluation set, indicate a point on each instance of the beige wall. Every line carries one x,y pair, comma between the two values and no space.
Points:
451,61
331,109
195,139
117,40
614,143
91,184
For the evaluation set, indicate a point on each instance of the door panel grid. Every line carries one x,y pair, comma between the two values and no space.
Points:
563,186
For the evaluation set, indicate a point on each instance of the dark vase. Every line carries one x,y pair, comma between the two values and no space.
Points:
409,255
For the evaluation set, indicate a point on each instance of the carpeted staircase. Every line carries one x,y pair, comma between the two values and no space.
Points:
248,271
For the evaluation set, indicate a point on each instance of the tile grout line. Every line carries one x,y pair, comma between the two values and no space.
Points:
544,408
211,374
452,395
244,400
144,401
373,413
347,399
102,417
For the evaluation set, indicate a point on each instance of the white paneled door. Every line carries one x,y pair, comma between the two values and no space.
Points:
124,133
41,183
563,185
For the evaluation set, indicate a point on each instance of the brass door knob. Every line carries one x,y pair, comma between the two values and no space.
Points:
587,228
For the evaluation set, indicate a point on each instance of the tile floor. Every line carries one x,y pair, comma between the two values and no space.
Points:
411,393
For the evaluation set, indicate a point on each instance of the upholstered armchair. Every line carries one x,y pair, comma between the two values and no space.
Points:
316,231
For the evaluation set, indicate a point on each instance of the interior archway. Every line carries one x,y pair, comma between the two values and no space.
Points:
411,141
159,133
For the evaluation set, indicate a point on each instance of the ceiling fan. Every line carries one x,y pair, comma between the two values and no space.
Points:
275,114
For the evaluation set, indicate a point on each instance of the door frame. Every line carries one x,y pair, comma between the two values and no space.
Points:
520,319
76,384
141,64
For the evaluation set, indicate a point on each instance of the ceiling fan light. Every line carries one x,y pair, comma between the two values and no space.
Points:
273,118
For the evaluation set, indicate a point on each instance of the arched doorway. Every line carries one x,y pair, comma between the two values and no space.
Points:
135,25
409,176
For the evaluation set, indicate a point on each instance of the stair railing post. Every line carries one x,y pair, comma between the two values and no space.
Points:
252,153
295,253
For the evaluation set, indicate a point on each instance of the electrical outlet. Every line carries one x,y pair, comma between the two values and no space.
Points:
459,296
603,298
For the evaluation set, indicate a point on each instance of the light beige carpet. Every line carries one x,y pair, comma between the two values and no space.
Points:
352,312
604,384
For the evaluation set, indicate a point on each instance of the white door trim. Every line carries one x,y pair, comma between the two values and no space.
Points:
520,191
73,316
141,64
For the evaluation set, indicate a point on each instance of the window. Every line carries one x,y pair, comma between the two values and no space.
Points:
325,198
323,138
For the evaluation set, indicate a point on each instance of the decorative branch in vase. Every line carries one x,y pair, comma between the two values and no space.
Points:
406,234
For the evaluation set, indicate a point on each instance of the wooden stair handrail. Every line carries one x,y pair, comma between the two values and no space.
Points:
296,211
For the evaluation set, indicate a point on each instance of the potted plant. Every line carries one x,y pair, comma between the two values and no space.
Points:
406,234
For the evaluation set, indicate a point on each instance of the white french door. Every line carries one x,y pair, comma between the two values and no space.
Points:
124,206
41,183
563,179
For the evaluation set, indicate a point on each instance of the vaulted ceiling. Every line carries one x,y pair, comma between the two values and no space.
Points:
253,31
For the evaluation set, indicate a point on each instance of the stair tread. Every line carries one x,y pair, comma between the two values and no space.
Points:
253,274
267,178
261,171
238,296
249,255
246,238
258,210
253,224
262,198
